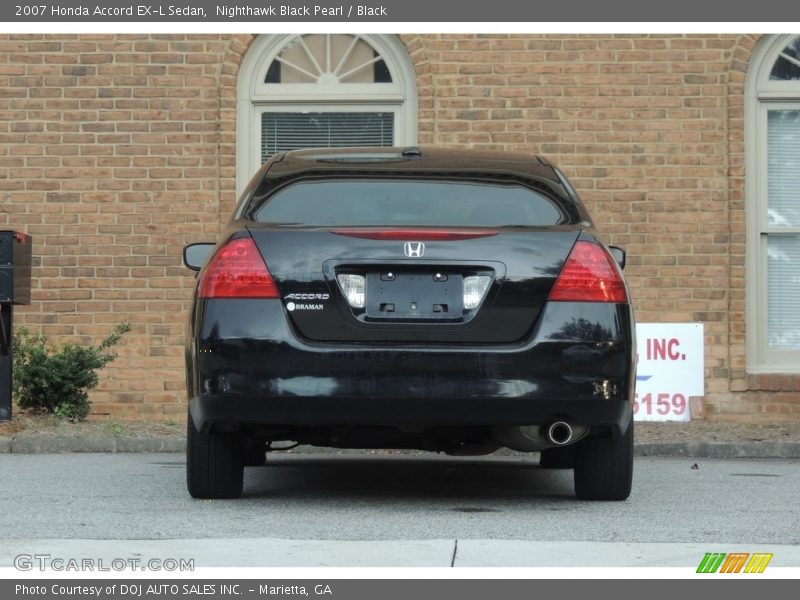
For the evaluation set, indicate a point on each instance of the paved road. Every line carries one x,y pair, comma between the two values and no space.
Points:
398,510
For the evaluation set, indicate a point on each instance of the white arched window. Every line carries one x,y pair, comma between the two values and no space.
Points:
323,90
772,142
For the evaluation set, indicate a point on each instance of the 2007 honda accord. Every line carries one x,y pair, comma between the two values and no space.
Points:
455,301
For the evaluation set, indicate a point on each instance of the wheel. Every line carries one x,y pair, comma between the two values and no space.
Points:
604,467
559,458
214,463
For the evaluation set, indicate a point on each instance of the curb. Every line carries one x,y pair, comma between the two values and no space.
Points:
721,449
48,444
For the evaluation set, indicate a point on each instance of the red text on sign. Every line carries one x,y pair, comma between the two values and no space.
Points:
662,404
664,349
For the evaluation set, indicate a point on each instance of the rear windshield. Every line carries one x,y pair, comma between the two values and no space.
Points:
334,203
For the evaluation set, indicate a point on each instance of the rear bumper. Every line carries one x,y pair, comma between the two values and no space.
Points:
229,412
273,377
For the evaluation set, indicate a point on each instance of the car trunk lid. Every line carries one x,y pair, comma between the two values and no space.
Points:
426,285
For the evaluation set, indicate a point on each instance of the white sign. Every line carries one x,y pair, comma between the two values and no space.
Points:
670,370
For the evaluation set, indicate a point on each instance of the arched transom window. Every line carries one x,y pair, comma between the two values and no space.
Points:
787,64
773,198
328,59
323,90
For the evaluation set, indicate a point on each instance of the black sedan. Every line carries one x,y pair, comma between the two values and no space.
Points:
446,300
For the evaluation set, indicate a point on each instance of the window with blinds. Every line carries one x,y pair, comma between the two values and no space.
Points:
783,221
772,151
283,131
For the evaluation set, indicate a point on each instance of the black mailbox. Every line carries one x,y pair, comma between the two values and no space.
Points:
15,288
15,268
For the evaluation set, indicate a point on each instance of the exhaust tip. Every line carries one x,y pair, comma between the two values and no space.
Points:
559,433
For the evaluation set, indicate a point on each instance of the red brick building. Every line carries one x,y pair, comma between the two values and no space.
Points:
116,150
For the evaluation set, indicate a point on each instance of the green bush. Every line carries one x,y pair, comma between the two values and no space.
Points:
56,379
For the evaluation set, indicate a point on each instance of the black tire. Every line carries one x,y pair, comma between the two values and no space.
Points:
559,458
214,463
604,467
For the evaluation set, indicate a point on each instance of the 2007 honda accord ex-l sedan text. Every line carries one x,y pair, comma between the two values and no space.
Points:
447,300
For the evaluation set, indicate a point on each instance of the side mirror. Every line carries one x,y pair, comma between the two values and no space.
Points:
618,254
195,255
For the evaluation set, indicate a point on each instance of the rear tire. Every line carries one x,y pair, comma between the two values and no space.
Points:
604,467
214,463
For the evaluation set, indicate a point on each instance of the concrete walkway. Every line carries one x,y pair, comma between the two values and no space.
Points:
273,552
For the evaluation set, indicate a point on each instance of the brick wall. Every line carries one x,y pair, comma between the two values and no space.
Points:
118,150
109,159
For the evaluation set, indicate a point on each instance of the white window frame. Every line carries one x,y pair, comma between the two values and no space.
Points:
255,97
761,96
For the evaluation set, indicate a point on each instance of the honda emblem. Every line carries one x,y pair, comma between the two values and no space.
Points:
414,249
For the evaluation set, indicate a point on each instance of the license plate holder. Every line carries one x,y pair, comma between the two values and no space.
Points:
430,295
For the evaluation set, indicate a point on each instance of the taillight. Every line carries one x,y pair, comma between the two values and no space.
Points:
237,271
354,289
589,275
475,287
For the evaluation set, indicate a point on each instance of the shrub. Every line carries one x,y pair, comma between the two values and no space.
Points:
57,379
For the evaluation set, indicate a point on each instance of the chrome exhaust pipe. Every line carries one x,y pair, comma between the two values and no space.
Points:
559,433
534,438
